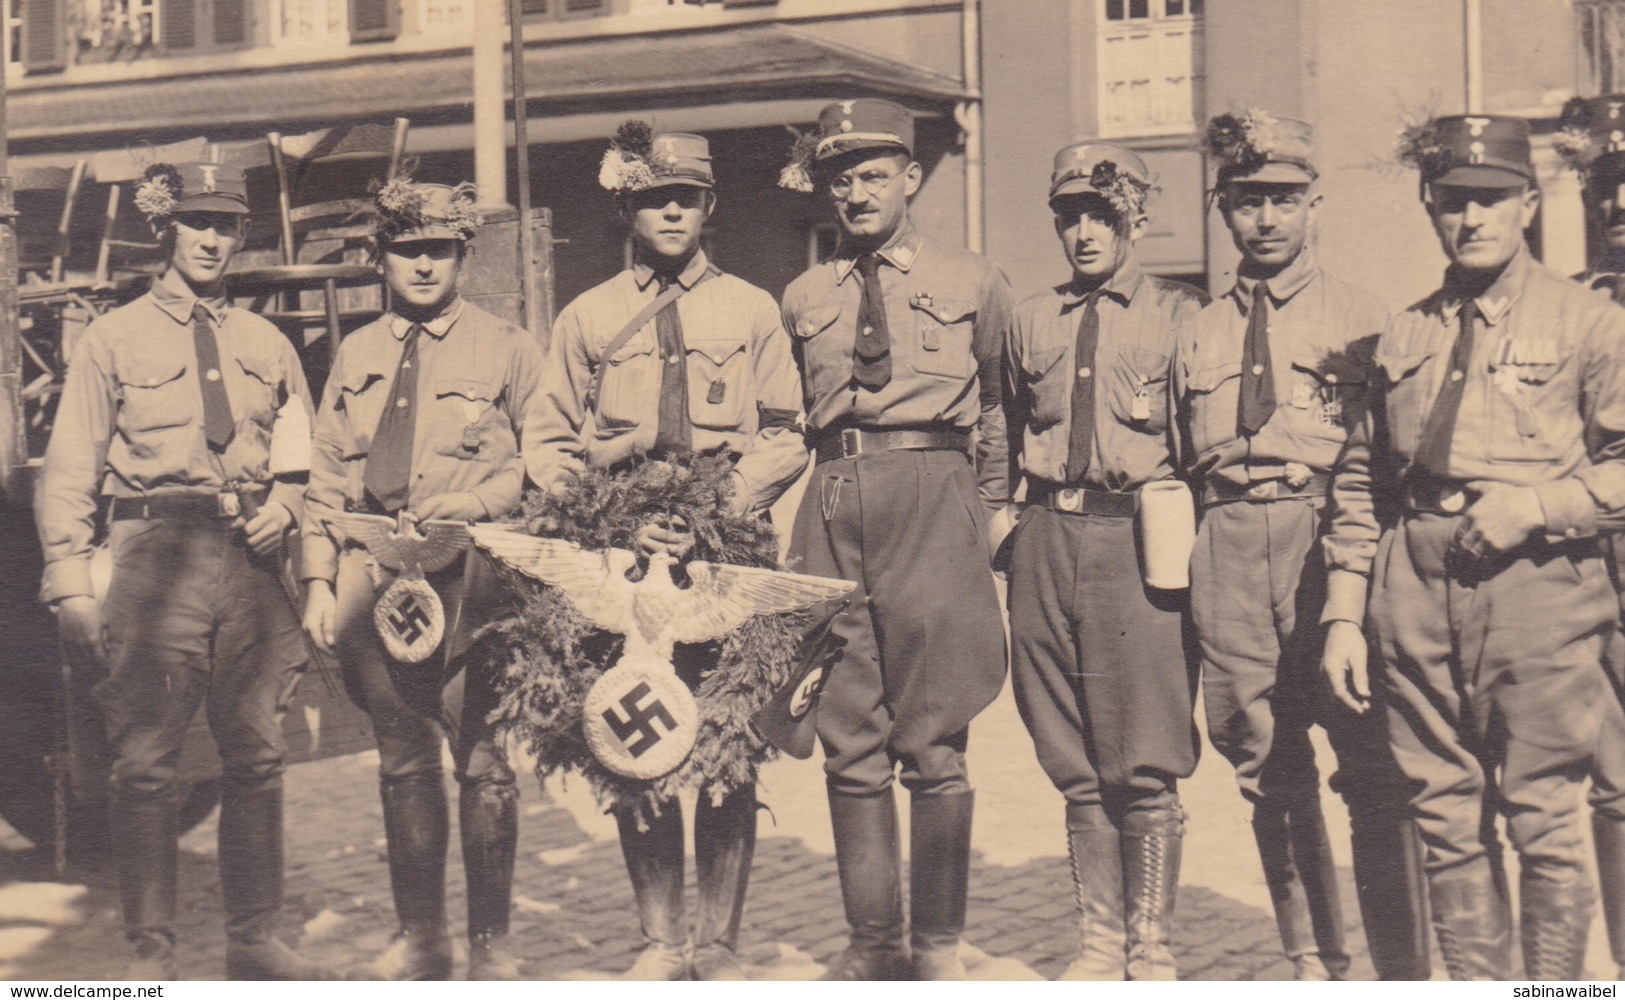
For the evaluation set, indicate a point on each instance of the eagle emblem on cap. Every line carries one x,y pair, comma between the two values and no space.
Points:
1476,126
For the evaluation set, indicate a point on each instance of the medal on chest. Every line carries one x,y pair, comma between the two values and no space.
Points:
409,616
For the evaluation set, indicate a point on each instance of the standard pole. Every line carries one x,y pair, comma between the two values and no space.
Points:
530,298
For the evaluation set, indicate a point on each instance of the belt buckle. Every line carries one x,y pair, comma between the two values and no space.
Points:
851,442
1069,500
1452,500
228,505
1267,490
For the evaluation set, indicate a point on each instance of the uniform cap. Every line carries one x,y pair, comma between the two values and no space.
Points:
864,123
1260,148
1115,173
192,187
1592,130
638,158
409,211
1482,151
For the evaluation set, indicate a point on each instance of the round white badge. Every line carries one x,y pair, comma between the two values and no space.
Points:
410,619
640,719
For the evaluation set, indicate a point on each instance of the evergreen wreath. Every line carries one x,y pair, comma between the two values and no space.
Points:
551,654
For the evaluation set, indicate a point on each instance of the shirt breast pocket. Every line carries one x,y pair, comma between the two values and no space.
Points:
824,366
1139,397
156,396
1404,375
468,423
258,393
1212,394
361,398
717,383
631,391
944,328
1532,417
1328,393
1048,387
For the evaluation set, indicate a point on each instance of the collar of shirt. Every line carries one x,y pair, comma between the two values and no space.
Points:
900,252
1282,287
1495,301
437,328
1122,285
643,274
1605,280
173,295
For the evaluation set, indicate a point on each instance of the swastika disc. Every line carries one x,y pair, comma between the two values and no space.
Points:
640,720
410,619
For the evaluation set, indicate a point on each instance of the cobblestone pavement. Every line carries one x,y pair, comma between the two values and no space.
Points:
574,916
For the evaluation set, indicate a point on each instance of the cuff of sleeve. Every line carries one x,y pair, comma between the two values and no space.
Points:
1568,509
319,558
66,578
1345,597
744,498
289,495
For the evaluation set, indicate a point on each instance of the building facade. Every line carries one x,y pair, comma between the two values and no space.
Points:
998,85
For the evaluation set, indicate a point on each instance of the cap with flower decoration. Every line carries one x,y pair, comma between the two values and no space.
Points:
1591,133
1114,173
168,188
1261,148
1478,151
404,210
639,158
862,123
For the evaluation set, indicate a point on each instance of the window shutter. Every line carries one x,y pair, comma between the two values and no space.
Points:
177,25
374,20
748,3
44,36
529,7
583,6
230,22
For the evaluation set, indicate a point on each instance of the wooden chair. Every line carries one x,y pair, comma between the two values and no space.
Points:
123,242
52,254
310,169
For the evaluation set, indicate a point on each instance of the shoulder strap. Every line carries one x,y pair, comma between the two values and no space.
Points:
661,301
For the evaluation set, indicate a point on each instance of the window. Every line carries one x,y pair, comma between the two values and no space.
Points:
1600,35
184,26
14,36
1150,66
554,10
445,15
310,22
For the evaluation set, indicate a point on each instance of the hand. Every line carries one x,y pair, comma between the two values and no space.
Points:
463,506
321,611
1502,519
79,623
999,527
1344,663
668,535
264,532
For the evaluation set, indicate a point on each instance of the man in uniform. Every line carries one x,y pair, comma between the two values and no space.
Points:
690,359
1272,376
169,410
1594,138
1495,438
1101,674
426,412
899,339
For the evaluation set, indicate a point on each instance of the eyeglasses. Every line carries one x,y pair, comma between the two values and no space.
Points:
873,181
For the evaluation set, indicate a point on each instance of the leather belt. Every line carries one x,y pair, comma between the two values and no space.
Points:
179,506
854,441
1082,500
1427,495
1218,491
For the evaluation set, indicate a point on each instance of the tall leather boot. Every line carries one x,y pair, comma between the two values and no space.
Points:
1097,877
250,854
1609,834
867,850
654,861
1473,923
939,872
1554,920
1153,841
417,824
1392,889
724,844
144,830
1297,858
488,822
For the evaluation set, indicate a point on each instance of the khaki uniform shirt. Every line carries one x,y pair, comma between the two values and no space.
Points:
1134,442
742,389
947,314
477,413
1543,406
1321,333
130,421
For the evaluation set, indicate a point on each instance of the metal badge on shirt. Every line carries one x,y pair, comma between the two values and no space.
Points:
1521,364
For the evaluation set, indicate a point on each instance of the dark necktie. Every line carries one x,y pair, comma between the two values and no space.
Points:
1080,445
218,425
871,356
389,462
1433,452
1257,375
674,433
